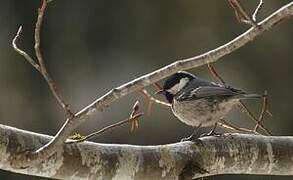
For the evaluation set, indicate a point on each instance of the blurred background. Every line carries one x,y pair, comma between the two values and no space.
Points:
92,46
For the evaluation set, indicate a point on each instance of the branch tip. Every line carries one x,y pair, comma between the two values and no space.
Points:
257,9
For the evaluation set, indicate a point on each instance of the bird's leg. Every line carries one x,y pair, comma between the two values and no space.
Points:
212,132
193,135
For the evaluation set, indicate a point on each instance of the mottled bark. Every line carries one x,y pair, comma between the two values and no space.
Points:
228,154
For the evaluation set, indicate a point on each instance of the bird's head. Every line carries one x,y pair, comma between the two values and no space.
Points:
174,84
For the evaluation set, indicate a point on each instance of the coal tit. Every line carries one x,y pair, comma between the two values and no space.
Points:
198,102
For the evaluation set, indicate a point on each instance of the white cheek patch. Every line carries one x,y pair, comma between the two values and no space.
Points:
177,87
174,89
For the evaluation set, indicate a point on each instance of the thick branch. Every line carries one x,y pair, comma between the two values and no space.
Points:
229,154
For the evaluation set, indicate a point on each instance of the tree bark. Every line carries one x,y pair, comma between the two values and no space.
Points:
226,154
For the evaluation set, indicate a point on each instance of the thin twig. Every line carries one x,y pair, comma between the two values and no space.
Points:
43,68
23,53
269,112
257,9
103,130
134,122
157,86
147,94
41,12
263,110
214,73
241,13
245,110
133,119
149,99
228,125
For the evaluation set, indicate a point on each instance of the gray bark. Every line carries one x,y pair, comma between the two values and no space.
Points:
227,154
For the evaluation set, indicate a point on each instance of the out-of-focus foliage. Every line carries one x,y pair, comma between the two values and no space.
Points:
91,46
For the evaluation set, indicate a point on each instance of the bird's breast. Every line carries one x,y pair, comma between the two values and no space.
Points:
204,112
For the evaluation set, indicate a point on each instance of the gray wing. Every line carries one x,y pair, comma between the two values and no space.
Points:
209,91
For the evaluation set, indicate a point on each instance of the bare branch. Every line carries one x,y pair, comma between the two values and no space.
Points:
245,110
39,22
214,73
43,68
149,99
257,9
228,125
226,154
133,119
157,86
23,53
241,13
264,109
103,130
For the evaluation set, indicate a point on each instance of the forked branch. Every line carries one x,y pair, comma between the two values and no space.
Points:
40,66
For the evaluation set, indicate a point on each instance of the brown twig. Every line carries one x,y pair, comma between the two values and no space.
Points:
214,73
263,110
41,66
241,13
41,12
133,120
228,125
157,86
149,99
103,130
257,9
148,95
243,108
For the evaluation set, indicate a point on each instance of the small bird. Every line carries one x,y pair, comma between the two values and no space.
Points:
198,102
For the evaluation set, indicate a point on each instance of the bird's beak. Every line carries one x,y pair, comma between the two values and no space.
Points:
160,92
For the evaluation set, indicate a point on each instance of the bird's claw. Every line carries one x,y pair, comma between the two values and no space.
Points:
189,138
211,133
